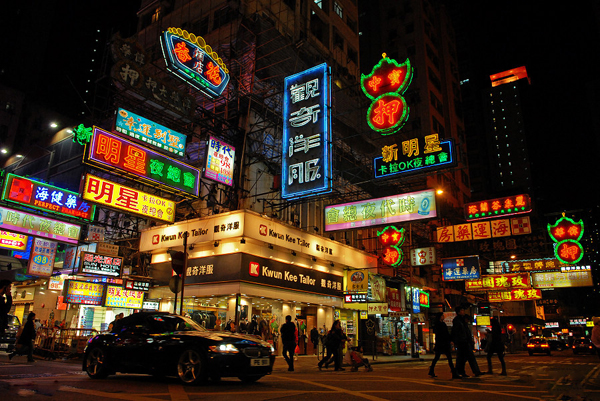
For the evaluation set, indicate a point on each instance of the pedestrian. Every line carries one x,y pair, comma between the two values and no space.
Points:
357,359
314,339
495,344
334,340
112,327
253,327
463,341
288,338
26,339
443,346
596,334
5,304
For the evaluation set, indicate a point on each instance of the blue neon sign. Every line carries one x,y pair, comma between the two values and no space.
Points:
306,159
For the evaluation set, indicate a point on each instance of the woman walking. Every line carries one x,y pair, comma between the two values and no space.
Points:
495,344
443,345
335,339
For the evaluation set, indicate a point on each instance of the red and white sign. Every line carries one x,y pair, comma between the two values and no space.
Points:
422,256
520,225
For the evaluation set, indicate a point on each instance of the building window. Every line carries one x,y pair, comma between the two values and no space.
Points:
353,55
436,103
319,29
338,41
338,9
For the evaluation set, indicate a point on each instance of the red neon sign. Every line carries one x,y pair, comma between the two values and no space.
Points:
491,208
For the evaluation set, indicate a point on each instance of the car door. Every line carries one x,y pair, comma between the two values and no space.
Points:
130,348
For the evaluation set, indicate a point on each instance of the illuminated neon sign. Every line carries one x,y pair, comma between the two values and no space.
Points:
219,161
306,162
392,239
111,152
384,86
83,292
111,194
567,234
462,268
13,241
189,58
39,226
42,196
514,295
499,282
417,155
487,209
148,131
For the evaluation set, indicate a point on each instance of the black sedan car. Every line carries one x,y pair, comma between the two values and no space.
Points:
165,344
7,341
583,346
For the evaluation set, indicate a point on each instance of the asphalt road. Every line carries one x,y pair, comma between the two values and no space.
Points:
562,376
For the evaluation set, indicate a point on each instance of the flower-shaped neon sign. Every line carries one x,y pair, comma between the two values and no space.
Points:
392,239
567,234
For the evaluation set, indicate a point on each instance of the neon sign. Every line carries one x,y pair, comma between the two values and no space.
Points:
107,150
42,196
499,282
83,292
131,200
14,241
148,131
384,86
189,57
392,239
487,209
462,268
306,162
39,226
515,295
426,154
219,161
567,234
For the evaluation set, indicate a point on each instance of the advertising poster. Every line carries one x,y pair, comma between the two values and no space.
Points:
41,262
220,158
39,226
83,292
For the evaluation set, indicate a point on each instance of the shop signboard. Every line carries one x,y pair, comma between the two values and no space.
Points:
380,308
48,198
357,281
567,235
394,299
115,154
499,282
532,265
154,134
100,265
422,256
39,226
58,282
220,158
121,197
13,241
192,60
515,295
461,268
41,262
118,297
424,298
73,253
388,210
107,249
482,230
377,286
483,320
95,233
551,325
306,153
355,298
578,322
577,278
25,254
137,285
418,155
506,206
416,300
83,292
150,305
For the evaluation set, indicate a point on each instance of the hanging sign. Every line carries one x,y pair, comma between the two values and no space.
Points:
116,154
514,295
422,256
39,226
567,234
131,200
100,265
392,239
532,265
417,155
41,261
357,281
219,161
306,158
14,241
137,285
488,209
576,278
154,134
83,292
38,195
462,268
189,58
117,297
499,281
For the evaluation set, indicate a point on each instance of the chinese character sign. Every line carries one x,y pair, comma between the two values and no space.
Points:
148,131
392,239
483,230
220,157
100,265
422,256
42,196
576,278
384,86
515,295
463,268
532,265
192,60
13,241
83,292
112,152
488,209
118,297
306,158
111,194
391,209
567,234
39,226
501,281
41,262
415,155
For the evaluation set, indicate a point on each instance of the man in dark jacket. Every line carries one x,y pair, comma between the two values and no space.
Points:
314,338
5,304
443,345
463,341
288,338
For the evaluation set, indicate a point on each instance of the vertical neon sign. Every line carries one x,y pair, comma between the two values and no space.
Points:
567,234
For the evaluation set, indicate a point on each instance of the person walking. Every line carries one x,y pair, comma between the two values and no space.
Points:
288,338
26,339
443,345
314,339
463,341
596,334
335,339
5,304
495,344
112,327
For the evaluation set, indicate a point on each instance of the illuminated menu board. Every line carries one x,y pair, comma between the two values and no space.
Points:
38,195
83,292
114,153
219,161
498,207
100,265
117,297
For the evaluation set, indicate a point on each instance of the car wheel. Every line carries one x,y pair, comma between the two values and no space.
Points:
96,364
249,379
190,367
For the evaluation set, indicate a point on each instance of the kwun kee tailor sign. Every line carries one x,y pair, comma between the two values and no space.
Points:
306,159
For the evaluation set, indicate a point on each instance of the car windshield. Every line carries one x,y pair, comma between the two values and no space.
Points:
171,323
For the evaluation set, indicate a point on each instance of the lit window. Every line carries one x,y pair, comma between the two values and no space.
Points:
319,3
338,9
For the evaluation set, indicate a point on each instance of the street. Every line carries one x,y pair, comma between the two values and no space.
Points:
562,376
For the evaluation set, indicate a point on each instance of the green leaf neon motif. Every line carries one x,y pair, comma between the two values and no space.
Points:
82,135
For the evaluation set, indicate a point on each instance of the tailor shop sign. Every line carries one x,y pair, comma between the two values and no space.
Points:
254,269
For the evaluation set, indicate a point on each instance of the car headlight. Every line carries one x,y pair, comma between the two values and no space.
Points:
224,349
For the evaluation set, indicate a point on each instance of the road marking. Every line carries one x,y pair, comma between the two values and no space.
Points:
338,389
178,393
114,396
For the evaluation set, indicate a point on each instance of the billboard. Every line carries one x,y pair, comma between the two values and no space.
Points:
48,198
506,206
481,230
576,278
100,265
306,158
220,158
532,265
154,134
499,281
515,295
117,297
83,292
115,154
41,262
39,226
13,241
111,194
422,256
461,268
373,212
